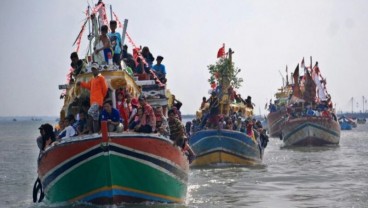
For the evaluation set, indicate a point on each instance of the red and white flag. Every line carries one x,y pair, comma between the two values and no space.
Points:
221,52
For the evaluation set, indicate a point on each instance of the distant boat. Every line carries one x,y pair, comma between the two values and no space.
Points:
311,119
14,119
36,119
344,123
361,120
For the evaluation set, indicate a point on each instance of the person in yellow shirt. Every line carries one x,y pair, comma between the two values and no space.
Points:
98,89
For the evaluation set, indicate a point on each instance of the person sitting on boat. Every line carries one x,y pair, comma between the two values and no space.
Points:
134,104
248,102
204,104
177,134
70,129
77,64
148,122
115,39
98,89
112,116
162,125
309,111
147,55
160,69
141,69
102,49
47,136
82,127
128,58
135,124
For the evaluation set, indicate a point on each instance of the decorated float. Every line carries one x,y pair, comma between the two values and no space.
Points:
214,140
108,167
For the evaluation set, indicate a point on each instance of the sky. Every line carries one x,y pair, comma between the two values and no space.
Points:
37,36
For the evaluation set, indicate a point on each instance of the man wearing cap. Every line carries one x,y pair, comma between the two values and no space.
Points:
148,122
160,69
98,89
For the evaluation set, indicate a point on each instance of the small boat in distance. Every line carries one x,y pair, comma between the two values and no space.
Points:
361,120
345,124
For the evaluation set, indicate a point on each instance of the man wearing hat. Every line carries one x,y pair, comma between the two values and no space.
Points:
160,69
98,89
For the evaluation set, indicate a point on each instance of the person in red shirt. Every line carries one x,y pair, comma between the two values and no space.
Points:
98,89
148,122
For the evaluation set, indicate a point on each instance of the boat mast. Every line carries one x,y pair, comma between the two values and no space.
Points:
363,103
352,105
89,35
225,83
111,12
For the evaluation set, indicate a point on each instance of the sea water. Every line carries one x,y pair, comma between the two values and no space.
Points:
289,177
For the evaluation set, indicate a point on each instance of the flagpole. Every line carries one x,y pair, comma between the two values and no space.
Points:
89,33
124,31
111,12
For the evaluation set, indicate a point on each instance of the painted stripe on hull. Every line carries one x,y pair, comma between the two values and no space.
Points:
222,157
237,146
113,166
83,181
114,192
310,134
96,151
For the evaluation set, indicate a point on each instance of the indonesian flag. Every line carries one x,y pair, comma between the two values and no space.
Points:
221,52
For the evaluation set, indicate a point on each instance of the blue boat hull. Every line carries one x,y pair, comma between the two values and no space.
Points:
224,147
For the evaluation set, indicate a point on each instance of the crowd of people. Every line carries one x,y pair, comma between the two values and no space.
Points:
109,50
209,117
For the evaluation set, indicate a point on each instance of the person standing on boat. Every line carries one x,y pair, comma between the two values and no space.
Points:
112,116
102,49
98,89
148,122
115,39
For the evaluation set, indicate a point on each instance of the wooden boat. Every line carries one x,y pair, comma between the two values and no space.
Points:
311,131
113,168
277,110
224,147
218,146
309,122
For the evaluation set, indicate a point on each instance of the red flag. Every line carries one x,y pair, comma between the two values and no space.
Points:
221,52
